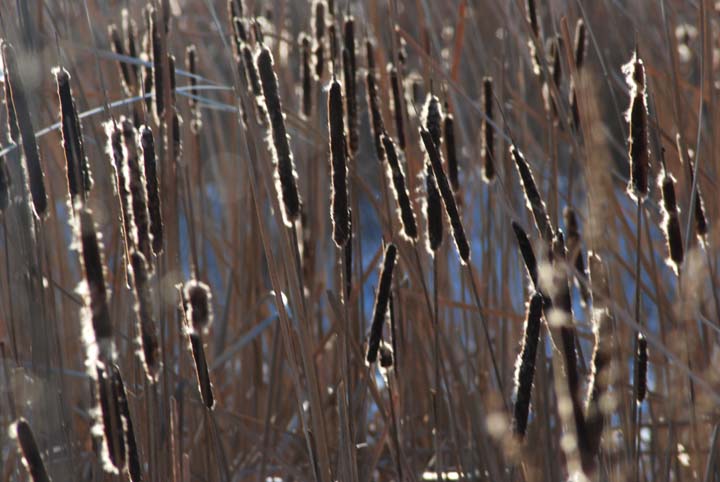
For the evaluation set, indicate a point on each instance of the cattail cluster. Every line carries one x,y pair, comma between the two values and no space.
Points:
20,114
136,185
306,75
671,221
397,105
402,197
76,162
450,149
373,100
319,7
338,153
637,117
152,187
430,118
532,196
382,298
641,367
487,151
285,174
525,365
144,313
349,76
31,458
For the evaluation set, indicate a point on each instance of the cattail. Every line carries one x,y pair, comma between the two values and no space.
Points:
116,43
152,188
147,56
191,65
197,300
555,66
319,31
450,152
461,241
525,365
128,26
235,9
78,169
671,221
158,58
306,75
382,297
333,38
575,251
25,128
147,327
29,450
117,154
532,196
430,119
373,100
397,105
349,76
532,18
637,117
240,36
114,446
402,197
580,43
487,151
641,365
527,253
134,467
285,175
386,356
136,184
340,214
201,370
4,186
701,224
253,80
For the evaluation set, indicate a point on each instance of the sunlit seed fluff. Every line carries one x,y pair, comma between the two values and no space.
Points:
111,421
133,462
487,150
152,187
340,213
373,101
145,316
396,90
197,300
386,356
458,230
641,367
402,197
76,162
637,117
382,298
525,364
21,109
532,196
349,76
580,44
532,17
527,253
319,7
136,183
306,76
671,222
29,450
450,150
285,174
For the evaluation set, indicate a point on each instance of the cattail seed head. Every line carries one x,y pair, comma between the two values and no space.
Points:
373,100
532,17
201,370
116,43
431,118
641,366
191,65
114,447
136,184
402,197
152,188
450,150
386,356
700,220
319,34
306,76
532,196
253,81
338,152
574,248
197,300
671,222
527,253
397,105
349,76
158,60
235,9
32,460
130,30
637,117
285,174
382,297
525,365
487,151
144,313
134,466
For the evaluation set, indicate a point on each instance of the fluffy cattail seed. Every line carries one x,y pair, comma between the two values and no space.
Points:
340,213
671,222
306,76
286,177
144,313
532,196
397,105
637,117
78,169
112,422
525,365
641,366
197,300
152,188
450,151
487,151
134,467
527,253
382,297
136,183
349,76
373,100
407,215
21,110
461,241
30,452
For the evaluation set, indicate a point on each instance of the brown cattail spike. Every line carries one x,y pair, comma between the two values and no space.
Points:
114,446
580,43
158,60
701,224
430,119
306,75
319,34
487,151
21,111
286,177
78,169
30,452
338,152
525,365
134,467
397,105
201,369
641,366
129,28
198,305
382,297
373,100
532,196
671,222
349,76
144,312
152,188
637,117
450,149
407,215
461,241
527,253
116,43
117,155
136,183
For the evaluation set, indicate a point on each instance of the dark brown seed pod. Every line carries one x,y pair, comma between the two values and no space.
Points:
112,423
152,188
382,297
574,248
116,43
450,152
340,213
319,34
240,36
78,168
397,105
487,151
373,100
334,49
4,186
130,30
386,356
580,44
431,118
527,253
306,75
117,158
30,452
158,59
197,300
637,116
402,197
458,230
525,365
26,130
532,196
133,463
136,184
253,81
349,76
671,222
144,312
641,366
700,220
286,177
201,370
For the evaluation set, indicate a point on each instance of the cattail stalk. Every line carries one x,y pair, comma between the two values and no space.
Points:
30,452
382,297
144,312
637,117
402,197
340,212
671,222
158,59
134,466
349,76
285,174
641,366
152,187
397,105
525,365
373,100
487,151
134,174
